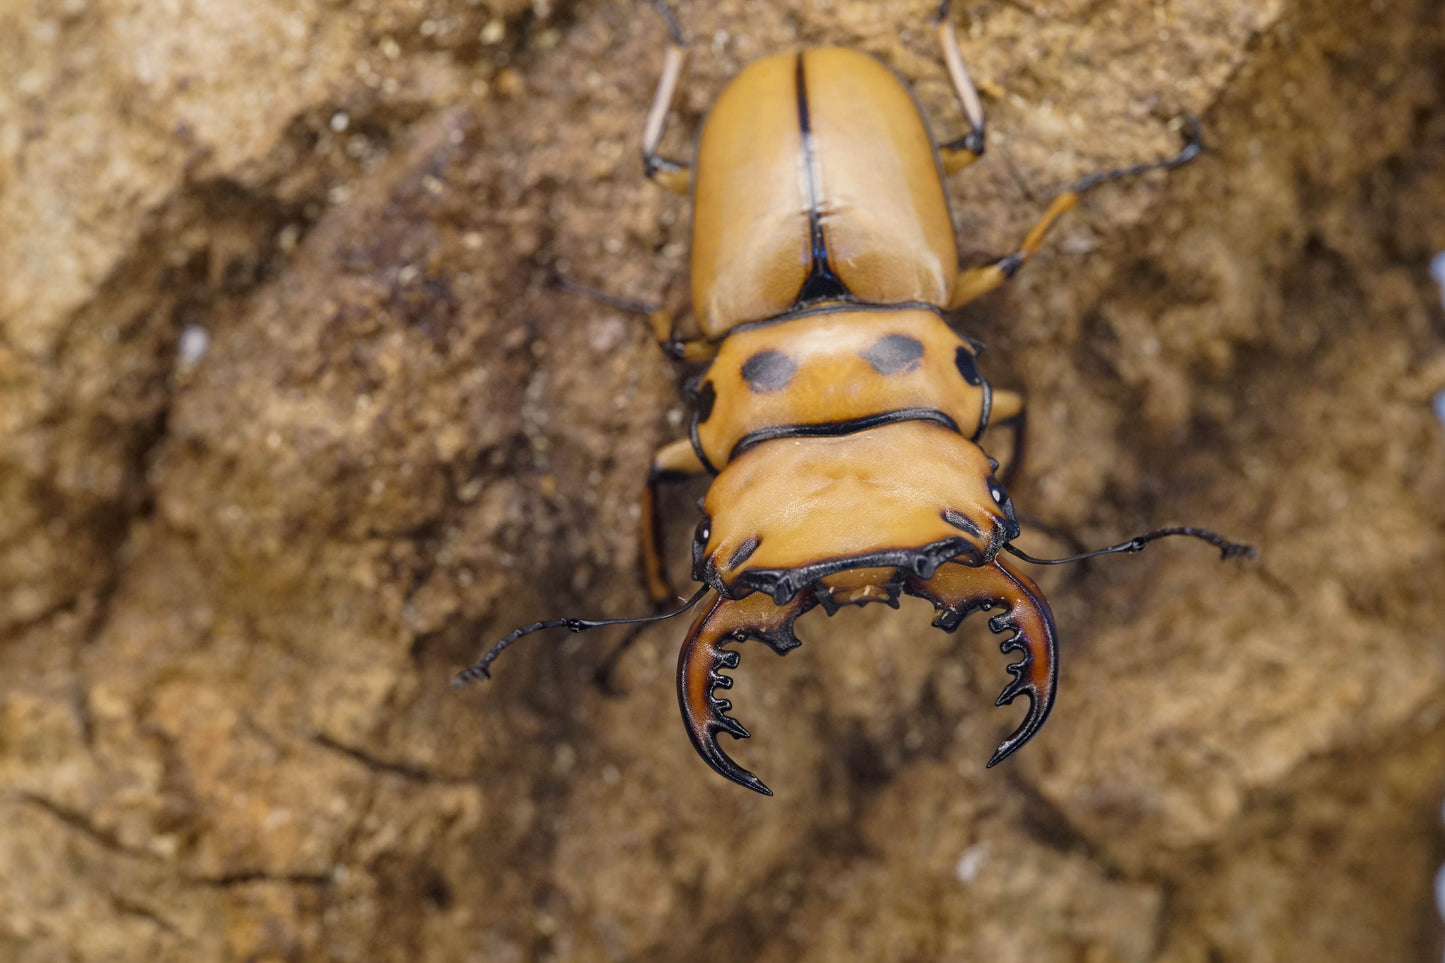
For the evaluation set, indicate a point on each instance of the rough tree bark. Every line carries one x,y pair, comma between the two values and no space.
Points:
291,424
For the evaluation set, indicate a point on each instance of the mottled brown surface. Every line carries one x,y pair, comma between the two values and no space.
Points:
233,587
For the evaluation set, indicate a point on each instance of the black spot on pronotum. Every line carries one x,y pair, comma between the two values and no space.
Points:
768,371
894,353
706,398
968,366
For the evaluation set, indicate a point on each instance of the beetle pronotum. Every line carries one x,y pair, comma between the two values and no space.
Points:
839,414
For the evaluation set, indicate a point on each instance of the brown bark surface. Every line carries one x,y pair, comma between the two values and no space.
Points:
293,424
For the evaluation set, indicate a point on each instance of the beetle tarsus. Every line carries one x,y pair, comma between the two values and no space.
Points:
959,153
674,28
1193,147
973,142
618,301
655,164
669,174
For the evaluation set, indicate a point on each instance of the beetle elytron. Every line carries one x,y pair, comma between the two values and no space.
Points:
839,415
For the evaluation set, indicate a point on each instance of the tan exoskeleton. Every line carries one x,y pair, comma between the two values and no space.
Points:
840,416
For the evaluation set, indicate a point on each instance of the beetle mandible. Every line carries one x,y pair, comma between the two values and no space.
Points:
839,415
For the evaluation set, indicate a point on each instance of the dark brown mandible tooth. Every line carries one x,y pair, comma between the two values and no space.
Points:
722,621
957,590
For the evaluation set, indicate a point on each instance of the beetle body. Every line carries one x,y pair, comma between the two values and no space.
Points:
823,254
816,179
841,416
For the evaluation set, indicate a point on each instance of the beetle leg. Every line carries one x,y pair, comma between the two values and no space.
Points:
722,621
958,154
1008,411
661,318
694,351
672,175
1007,406
956,590
664,317
673,462
975,282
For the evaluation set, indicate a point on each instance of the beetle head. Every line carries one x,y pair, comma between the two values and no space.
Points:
898,501
988,516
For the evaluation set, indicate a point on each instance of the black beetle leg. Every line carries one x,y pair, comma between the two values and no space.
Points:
957,590
720,622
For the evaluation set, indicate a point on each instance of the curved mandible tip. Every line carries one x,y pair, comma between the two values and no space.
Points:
722,621
705,715
958,589
1036,675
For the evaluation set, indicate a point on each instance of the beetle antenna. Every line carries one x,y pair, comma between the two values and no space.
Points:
1227,549
482,668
